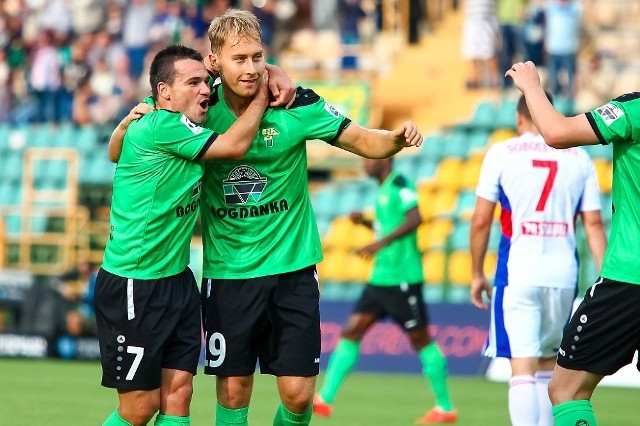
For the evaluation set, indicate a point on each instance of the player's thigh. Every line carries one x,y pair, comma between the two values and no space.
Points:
522,316
144,326
602,335
235,322
293,345
557,304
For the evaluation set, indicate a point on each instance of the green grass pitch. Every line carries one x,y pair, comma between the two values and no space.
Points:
59,393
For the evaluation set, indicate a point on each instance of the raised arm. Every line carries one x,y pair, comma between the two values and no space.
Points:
117,136
374,143
478,241
237,140
281,87
557,130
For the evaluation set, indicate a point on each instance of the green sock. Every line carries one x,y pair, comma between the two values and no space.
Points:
115,420
341,362
574,413
434,367
165,420
229,416
285,417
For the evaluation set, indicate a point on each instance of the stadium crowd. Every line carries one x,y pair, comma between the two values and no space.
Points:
86,61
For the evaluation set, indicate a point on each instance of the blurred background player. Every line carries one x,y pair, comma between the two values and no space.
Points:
602,334
540,190
394,290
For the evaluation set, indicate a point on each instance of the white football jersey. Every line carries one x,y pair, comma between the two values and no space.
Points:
541,191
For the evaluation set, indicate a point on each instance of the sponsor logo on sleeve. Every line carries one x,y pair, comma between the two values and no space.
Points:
331,110
609,113
195,129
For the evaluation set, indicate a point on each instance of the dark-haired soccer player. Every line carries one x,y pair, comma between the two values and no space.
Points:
260,288
394,290
146,299
602,334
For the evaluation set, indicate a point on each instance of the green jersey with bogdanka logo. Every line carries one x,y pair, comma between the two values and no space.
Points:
257,214
156,196
400,262
618,123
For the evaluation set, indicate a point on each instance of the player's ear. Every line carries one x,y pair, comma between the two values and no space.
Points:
164,91
214,62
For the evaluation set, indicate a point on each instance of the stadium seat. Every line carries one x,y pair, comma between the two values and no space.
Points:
459,238
86,139
334,266
433,234
358,269
599,151
432,147
460,268
448,174
456,144
442,203
506,114
433,265
478,140
13,164
340,234
407,165
604,171
466,205
470,173
500,135
325,201
484,116
426,169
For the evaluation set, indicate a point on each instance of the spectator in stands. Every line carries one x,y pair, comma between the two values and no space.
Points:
394,290
510,17
561,43
74,74
480,42
136,33
540,190
601,336
5,94
78,287
533,32
45,78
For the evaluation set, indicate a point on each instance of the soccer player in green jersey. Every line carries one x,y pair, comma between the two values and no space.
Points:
394,290
146,299
261,244
601,336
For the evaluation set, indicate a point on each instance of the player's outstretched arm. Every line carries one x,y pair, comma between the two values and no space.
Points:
281,87
596,237
557,130
374,143
478,241
411,222
236,141
117,136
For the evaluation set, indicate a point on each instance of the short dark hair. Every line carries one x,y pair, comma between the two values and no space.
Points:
163,69
523,109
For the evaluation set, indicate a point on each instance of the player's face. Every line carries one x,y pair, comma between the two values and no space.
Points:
241,65
189,93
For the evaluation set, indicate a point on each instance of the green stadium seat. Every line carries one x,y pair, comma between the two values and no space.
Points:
408,166
426,168
506,114
599,151
466,205
431,147
456,144
478,140
459,238
484,116
13,165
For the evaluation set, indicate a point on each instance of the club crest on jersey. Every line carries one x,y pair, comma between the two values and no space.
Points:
609,113
331,110
268,134
197,187
195,129
243,185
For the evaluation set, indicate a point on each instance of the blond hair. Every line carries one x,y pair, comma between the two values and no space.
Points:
234,23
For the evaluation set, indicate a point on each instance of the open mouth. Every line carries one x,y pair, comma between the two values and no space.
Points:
204,104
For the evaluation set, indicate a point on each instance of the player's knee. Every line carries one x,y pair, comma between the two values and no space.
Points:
297,401
140,415
180,398
559,393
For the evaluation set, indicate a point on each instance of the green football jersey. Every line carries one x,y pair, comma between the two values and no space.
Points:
257,215
618,123
156,196
400,261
